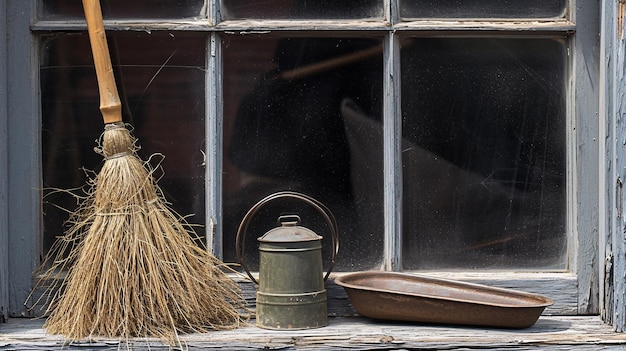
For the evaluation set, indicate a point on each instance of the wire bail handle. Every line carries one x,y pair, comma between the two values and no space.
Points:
320,207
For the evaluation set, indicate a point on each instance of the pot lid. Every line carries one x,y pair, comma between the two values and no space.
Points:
289,231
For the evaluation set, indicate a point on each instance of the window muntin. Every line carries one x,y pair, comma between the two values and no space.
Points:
162,87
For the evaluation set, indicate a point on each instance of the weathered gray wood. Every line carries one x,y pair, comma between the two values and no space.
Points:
392,167
24,179
213,147
583,199
614,307
391,10
557,333
4,174
619,238
608,183
561,289
522,26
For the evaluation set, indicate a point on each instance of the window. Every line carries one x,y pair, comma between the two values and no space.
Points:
445,138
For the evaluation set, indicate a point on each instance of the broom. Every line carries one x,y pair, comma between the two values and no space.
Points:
133,269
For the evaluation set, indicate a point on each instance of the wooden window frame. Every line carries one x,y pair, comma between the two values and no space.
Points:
575,291
612,245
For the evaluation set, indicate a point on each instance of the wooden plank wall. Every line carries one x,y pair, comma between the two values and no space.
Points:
613,126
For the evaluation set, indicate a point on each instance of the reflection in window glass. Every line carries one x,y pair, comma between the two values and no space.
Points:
484,153
300,9
161,82
482,9
285,128
148,9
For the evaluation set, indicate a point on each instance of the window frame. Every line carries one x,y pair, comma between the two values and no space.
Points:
613,165
4,215
576,291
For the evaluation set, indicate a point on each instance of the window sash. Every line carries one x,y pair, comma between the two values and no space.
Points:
4,205
581,129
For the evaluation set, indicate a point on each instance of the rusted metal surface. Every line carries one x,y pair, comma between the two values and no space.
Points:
406,297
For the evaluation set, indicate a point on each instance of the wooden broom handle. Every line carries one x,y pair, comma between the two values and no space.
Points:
110,104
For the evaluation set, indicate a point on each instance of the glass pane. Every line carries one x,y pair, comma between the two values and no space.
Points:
482,9
160,78
291,123
149,9
300,9
484,153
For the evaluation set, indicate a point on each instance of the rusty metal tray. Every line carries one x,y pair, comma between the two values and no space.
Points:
414,298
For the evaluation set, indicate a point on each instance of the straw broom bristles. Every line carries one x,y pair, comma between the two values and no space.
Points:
133,268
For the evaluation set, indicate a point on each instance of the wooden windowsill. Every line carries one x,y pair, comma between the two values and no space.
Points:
353,333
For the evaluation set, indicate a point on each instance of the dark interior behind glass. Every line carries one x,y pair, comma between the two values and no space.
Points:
283,131
144,9
423,9
484,153
161,82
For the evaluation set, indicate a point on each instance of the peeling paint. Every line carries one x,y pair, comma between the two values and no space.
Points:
620,16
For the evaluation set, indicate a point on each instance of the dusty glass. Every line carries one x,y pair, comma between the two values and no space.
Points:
484,153
291,115
160,78
147,9
300,9
482,9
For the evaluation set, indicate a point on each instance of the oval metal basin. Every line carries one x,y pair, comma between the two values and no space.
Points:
414,298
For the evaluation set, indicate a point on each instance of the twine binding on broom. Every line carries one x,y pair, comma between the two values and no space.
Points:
133,268
118,155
